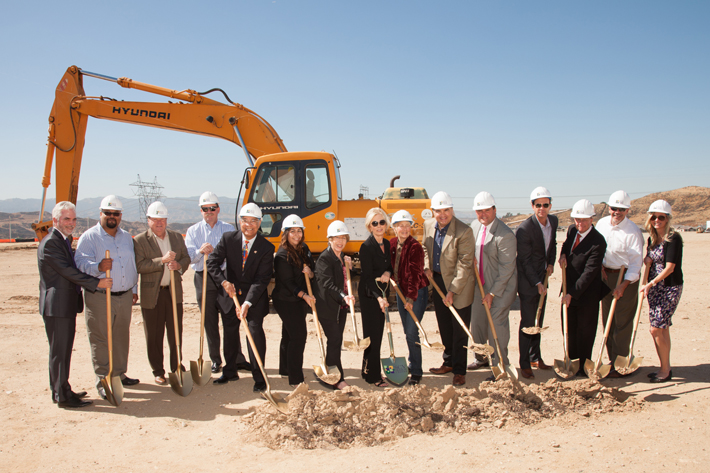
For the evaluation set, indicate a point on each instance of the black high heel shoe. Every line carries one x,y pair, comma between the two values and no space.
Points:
662,380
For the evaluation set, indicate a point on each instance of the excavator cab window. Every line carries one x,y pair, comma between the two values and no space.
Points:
268,221
317,185
274,184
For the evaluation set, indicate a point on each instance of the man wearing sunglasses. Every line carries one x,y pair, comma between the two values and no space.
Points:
537,248
91,259
201,239
624,247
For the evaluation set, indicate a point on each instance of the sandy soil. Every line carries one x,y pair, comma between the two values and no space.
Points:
573,427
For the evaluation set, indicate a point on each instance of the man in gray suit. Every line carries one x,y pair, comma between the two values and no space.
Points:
495,263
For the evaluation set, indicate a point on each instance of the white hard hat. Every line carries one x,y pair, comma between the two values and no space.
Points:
337,228
208,198
157,210
292,221
540,193
620,199
660,206
583,209
402,216
441,200
111,202
483,200
250,210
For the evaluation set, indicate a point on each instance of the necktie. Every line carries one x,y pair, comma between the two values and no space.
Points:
480,257
576,242
245,253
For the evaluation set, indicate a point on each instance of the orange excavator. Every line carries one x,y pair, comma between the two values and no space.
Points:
278,181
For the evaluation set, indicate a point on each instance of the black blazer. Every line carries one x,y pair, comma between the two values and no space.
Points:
373,263
254,280
584,267
59,278
330,296
289,276
532,258
672,253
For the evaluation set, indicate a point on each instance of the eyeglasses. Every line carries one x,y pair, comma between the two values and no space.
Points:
210,209
660,218
617,209
544,206
250,222
111,214
381,222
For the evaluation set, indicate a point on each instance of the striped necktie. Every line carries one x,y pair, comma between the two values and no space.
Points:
245,253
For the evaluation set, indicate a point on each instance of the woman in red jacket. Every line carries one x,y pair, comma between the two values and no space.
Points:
408,263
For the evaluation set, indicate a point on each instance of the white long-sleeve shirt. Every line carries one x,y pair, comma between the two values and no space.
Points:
624,246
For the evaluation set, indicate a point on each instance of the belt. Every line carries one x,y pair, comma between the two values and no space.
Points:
165,287
119,293
609,270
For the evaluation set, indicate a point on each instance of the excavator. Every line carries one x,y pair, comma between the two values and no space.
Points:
280,182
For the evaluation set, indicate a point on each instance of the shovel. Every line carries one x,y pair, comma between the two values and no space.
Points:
479,348
179,381
597,369
629,364
395,368
357,344
275,399
537,329
568,368
327,374
425,342
200,369
512,373
113,388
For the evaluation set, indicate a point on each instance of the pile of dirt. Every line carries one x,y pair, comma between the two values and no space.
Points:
356,417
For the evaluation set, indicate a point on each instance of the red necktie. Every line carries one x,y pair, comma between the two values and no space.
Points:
576,242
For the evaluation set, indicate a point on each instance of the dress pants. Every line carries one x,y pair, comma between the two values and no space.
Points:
582,326
333,329
481,330
155,323
60,334
529,344
411,331
96,329
622,325
453,336
293,338
373,326
230,326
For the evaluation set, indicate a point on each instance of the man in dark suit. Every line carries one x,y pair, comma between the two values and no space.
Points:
537,249
60,300
250,264
582,255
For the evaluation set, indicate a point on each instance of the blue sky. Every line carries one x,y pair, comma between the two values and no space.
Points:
584,98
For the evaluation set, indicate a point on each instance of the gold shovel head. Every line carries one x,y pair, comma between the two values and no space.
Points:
497,372
590,368
436,346
358,345
330,376
512,372
531,330
113,390
201,372
180,384
561,369
603,371
277,401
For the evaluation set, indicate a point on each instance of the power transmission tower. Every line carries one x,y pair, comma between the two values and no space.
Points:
364,192
147,192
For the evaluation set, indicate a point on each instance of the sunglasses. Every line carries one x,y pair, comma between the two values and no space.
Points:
210,209
660,218
381,222
616,209
544,206
111,214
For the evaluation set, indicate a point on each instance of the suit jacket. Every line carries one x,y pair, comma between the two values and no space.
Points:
289,277
499,256
59,278
252,282
456,259
150,265
373,262
331,283
532,257
584,267
410,275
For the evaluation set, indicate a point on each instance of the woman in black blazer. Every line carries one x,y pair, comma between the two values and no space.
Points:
332,298
376,262
290,296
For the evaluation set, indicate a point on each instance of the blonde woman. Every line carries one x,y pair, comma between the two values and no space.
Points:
665,282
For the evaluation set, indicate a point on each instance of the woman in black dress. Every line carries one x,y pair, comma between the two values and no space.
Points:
375,262
290,296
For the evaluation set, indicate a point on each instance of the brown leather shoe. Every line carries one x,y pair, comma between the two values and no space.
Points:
527,373
443,369
459,380
540,365
477,364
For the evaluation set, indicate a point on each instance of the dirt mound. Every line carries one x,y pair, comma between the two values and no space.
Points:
354,416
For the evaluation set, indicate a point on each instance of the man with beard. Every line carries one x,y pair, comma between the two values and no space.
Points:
91,259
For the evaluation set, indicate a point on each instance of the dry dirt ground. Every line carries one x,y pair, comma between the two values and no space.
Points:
627,424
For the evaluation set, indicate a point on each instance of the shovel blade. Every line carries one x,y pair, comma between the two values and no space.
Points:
201,372
329,375
395,370
574,366
512,372
497,373
280,404
113,390
180,384
635,364
481,349
561,370
622,362
590,368
531,330
357,345
436,346
603,371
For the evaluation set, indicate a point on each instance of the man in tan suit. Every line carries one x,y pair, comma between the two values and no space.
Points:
448,259
159,251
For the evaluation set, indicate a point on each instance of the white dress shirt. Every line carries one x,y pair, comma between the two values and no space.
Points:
624,246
